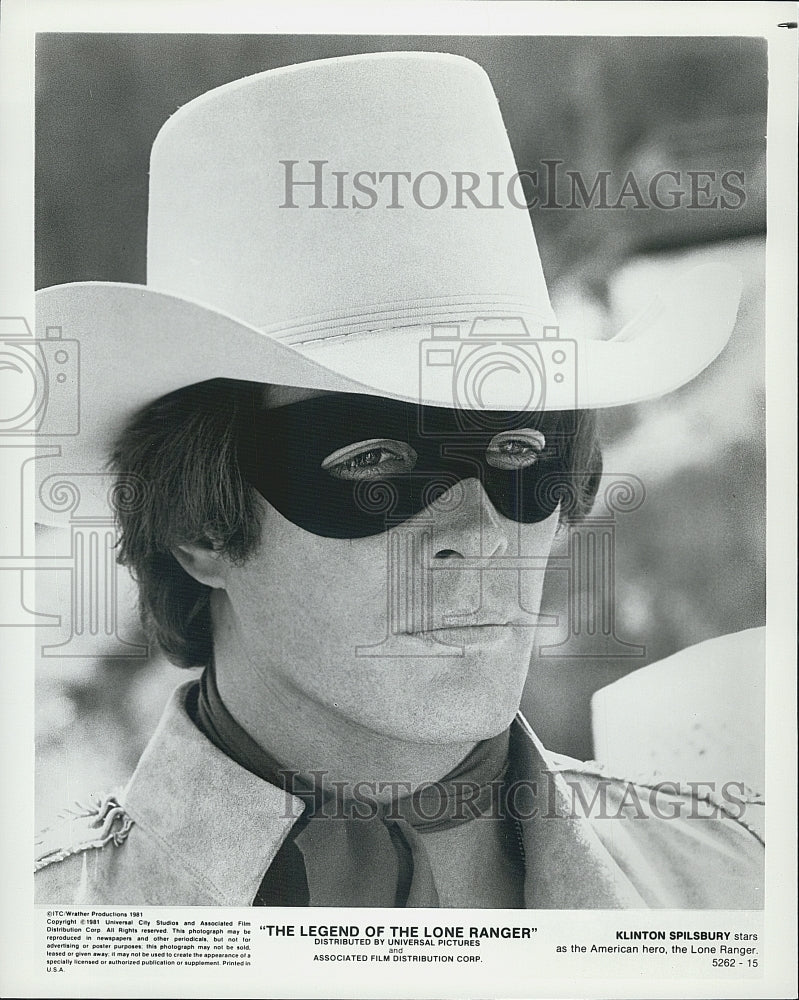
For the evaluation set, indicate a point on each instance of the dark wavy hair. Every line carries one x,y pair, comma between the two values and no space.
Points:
179,457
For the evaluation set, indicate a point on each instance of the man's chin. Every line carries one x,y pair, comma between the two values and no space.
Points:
445,724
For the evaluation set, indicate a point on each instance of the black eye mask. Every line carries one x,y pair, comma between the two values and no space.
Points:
350,466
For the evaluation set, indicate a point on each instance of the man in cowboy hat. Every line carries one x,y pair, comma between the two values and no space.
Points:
338,483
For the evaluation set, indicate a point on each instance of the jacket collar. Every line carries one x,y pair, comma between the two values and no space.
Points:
568,867
221,823
223,826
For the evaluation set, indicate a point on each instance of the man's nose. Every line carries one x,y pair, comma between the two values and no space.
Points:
466,524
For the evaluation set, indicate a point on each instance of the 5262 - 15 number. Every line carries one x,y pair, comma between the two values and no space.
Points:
730,963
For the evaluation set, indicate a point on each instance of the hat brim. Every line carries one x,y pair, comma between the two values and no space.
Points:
666,345
136,344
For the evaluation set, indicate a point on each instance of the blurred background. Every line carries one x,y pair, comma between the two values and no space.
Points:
690,559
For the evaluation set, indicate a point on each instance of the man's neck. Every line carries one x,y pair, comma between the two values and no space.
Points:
335,752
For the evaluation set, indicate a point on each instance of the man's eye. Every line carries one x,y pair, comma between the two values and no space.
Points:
373,459
515,449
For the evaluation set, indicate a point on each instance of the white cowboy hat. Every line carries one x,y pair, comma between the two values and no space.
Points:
250,277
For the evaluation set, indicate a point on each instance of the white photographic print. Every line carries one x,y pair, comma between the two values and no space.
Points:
395,510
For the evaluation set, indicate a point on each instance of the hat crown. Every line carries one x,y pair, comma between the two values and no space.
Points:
260,202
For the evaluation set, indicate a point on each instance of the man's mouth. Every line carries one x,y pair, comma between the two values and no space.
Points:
458,627
484,618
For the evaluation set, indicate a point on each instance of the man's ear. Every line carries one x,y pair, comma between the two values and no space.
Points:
202,562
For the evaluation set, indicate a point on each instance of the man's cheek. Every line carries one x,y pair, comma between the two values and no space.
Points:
386,585
347,586
535,546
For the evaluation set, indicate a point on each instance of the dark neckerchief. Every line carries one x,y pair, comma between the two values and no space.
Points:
347,853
